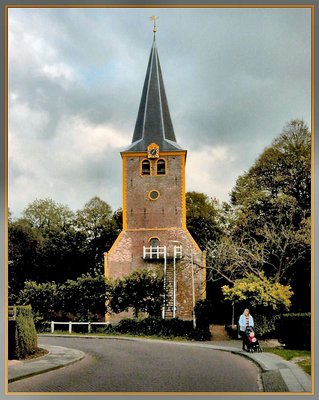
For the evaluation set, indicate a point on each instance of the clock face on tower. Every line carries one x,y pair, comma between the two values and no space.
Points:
153,150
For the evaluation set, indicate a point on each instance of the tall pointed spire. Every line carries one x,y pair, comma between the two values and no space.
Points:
154,18
153,123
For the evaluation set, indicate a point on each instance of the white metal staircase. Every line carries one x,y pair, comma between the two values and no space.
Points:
169,260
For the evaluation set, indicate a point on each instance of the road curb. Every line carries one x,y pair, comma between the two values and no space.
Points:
58,357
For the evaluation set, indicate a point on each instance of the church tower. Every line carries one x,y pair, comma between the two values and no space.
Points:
154,234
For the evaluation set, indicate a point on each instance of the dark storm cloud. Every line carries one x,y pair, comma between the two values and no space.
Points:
251,70
233,78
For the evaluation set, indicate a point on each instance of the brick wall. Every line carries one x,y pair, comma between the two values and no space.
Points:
166,211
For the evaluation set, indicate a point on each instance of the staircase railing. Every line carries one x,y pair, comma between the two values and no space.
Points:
160,252
154,252
178,251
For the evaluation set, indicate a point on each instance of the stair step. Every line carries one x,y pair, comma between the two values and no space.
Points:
169,285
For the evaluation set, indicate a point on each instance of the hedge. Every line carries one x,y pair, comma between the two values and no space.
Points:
153,326
204,317
265,325
294,330
22,334
175,327
127,325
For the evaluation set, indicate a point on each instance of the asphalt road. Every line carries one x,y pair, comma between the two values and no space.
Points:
113,365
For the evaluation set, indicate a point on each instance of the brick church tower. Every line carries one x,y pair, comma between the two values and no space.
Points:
154,234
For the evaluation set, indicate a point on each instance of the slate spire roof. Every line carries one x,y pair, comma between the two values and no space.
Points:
153,123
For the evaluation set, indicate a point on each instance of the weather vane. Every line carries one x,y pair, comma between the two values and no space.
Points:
154,18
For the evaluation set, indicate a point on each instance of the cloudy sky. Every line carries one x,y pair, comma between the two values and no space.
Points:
233,78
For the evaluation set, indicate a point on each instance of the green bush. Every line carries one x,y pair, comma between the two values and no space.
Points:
127,325
25,335
201,334
150,326
265,325
204,317
143,291
154,326
106,329
204,313
177,327
294,330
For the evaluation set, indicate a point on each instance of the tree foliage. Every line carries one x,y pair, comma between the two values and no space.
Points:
142,290
45,299
259,292
23,248
284,168
270,227
57,251
98,229
85,297
203,218
51,243
82,299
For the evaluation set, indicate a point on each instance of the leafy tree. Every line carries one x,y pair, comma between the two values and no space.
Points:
98,227
23,245
203,218
117,221
277,254
51,243
45,299
270,229
47,216
58,255
277,188
142,290
82,299
259,291
85,297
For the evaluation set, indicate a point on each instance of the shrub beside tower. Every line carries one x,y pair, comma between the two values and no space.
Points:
23,339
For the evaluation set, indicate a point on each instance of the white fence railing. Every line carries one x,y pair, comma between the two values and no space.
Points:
71,323
154,252
178,251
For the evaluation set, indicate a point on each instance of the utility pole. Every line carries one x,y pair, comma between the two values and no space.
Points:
174,284
165,267
193,293
233,314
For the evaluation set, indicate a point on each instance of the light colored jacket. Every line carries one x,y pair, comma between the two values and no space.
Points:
242,322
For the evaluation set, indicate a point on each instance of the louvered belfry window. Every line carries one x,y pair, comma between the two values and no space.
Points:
161,167
146,167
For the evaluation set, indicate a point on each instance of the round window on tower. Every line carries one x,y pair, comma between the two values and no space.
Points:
153,194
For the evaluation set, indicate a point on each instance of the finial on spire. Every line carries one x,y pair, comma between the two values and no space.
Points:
154,18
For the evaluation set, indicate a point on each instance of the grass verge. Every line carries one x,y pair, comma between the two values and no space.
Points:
300,357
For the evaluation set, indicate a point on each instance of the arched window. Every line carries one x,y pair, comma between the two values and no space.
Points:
161,167
146,167
154,242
